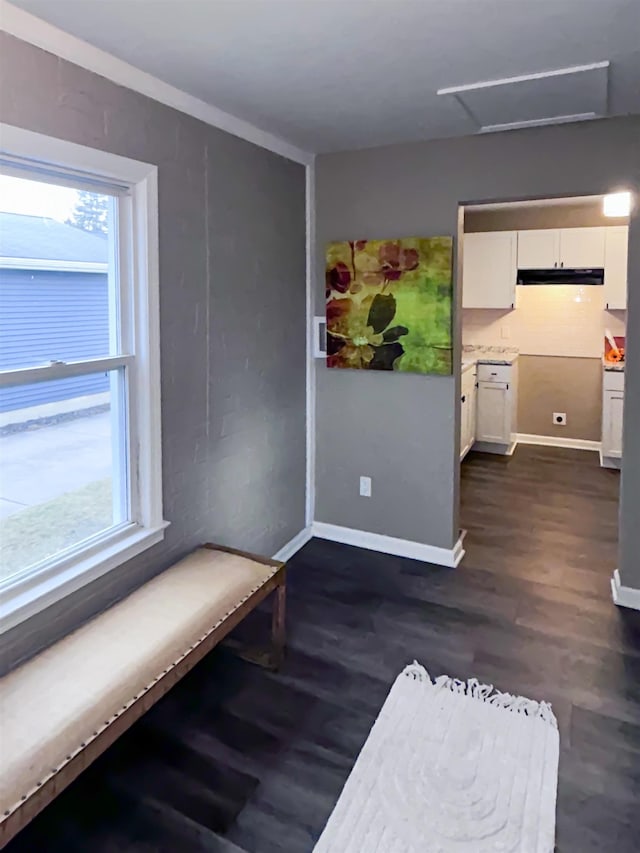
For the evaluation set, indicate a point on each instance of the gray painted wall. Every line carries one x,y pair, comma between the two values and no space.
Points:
402,430
629,559
232,294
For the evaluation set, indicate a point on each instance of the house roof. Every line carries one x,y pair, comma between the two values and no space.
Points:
38,237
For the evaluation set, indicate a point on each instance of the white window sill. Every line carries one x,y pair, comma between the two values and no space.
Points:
26,596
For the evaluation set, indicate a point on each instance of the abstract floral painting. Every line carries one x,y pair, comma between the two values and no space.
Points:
389,304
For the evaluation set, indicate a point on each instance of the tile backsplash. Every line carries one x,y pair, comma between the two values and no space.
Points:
564,320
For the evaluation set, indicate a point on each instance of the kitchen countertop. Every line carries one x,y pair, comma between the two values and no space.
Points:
507,358
612,366
487,355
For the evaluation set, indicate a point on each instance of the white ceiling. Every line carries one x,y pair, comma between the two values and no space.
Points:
336,74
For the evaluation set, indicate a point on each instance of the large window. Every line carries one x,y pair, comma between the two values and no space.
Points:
80,467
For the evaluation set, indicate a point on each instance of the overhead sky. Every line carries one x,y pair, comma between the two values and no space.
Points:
36,198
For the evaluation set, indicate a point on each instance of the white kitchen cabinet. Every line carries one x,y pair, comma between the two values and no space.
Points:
612,409
496,404
612,414
473,412
615,266
554,248
538,250
467,411
489,269
493,422
582,247
464,426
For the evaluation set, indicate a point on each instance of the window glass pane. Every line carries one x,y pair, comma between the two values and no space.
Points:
58,273
63,465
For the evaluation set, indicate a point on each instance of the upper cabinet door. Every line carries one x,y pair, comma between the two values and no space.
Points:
615,266
539,250
582,247
489,269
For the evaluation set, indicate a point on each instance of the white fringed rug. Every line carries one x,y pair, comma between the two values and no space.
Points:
450,767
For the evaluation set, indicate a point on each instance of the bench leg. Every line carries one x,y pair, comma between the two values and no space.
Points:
278,628
270,658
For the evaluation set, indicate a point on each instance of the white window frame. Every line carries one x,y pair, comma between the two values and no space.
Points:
30,592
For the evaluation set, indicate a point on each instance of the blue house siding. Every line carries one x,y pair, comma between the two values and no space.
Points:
48,315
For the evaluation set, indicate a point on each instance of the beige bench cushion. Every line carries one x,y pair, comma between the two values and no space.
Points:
60,699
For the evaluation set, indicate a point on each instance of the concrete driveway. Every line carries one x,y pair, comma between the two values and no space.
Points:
41,464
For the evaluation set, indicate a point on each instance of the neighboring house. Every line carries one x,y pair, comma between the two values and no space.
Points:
54,305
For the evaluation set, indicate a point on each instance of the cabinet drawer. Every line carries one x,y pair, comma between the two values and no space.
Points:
494,386
613,380
494,373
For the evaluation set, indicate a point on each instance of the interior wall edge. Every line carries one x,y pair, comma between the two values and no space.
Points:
40,33
310,238
629,544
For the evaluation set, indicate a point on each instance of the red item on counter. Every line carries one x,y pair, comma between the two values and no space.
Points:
617,355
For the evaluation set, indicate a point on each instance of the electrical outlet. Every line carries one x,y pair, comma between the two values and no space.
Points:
365,487
560,418
505,333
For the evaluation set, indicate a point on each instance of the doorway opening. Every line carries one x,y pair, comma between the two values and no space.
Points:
544,289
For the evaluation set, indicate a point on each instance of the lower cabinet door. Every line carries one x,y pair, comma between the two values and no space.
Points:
472,413
464,424
612,412
493,413
467,412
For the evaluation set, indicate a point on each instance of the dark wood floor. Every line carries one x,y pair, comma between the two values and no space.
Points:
236,759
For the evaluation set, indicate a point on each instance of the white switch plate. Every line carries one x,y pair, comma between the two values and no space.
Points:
560,418
319,337
505,332
365,487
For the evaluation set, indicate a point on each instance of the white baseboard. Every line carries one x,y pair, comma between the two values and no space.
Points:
610,462
624,596
390,545
558,441
495,448
293,545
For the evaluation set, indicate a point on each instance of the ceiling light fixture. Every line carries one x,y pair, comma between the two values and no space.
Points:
617,204
534,100
537,122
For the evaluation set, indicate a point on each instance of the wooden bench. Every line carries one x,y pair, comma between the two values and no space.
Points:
63,708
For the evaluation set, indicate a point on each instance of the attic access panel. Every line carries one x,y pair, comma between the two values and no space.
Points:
548,97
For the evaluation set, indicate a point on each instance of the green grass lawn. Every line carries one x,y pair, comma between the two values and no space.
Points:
38,532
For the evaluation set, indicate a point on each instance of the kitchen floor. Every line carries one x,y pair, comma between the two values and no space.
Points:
239,760
545,514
